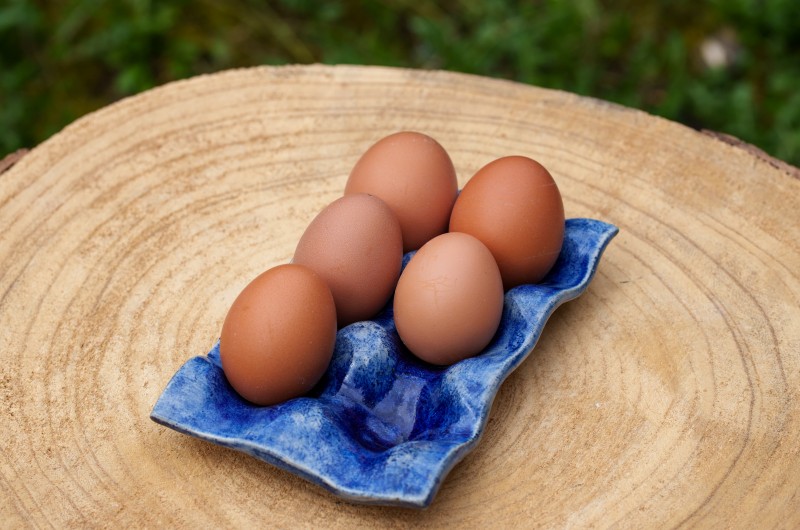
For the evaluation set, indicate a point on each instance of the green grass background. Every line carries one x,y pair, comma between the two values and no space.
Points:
61,60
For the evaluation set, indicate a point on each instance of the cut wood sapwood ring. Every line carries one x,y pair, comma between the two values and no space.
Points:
666,395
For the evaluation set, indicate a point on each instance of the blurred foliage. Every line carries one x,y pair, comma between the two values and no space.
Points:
727,65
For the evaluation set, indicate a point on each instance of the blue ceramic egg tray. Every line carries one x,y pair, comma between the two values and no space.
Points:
382,427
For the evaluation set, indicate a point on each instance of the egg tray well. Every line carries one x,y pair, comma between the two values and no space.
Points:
382,427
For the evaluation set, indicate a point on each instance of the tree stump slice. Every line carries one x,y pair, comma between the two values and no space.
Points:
667,395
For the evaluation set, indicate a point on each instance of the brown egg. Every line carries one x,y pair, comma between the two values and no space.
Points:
514,207
356,247
449,299
413,174
278,337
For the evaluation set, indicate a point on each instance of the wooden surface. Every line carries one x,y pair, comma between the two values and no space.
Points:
667,395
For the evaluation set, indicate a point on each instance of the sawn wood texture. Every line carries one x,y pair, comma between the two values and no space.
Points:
665,396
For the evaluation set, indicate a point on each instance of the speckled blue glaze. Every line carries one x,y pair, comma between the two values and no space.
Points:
382,427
